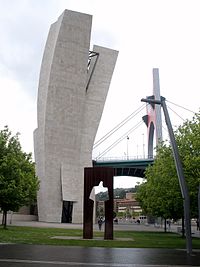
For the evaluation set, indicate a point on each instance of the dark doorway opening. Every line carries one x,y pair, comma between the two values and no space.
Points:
67,212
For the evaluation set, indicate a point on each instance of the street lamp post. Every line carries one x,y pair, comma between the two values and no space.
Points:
179,169
143,146
127,138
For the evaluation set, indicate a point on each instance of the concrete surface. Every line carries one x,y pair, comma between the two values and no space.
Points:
47,256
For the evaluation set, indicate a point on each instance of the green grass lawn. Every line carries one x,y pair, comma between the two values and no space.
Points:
30,235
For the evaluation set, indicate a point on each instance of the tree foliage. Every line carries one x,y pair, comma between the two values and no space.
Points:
188,139
160,195
18,182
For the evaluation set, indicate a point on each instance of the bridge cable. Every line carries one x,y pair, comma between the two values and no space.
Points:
176,113
119,140
118,126
180,106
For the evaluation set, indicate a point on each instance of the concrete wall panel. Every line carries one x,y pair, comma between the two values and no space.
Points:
68,115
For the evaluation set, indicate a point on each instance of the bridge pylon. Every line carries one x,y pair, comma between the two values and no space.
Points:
153,119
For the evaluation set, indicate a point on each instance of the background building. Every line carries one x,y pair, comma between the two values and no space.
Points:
127,208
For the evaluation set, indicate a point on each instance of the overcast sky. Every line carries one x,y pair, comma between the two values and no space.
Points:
148,34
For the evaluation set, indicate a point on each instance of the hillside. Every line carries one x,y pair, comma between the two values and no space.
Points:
119,193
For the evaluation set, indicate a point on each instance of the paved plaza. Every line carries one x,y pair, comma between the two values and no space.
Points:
47,256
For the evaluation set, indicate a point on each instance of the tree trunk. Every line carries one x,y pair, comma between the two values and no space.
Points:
183,227
4,219
2,222
165,225
199,208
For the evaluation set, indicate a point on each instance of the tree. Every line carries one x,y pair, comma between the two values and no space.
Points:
160,195
188,139
18,182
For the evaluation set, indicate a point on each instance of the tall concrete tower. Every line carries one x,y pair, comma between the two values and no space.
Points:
73,86
153,118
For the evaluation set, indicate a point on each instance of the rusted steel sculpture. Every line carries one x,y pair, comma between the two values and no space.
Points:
92,177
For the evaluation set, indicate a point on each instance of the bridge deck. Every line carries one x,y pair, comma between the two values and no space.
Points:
135,168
